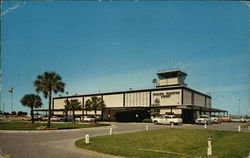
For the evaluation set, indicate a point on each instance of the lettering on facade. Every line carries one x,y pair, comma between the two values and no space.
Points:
157,101
166,94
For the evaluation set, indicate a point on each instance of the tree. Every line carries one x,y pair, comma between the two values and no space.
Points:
72,105
47,83
21,113
32,101
96,103
13,113
154,81
154,112
88,106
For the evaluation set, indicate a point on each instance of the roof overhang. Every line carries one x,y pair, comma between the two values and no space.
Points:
202,108
180,73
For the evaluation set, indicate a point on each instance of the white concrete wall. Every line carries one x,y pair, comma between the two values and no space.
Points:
166,97
58,113
169,81
114,100
139,99
79,99
187,97
89,97
208,102
59,103
77,112
199,99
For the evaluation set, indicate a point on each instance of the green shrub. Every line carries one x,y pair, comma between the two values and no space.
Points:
147,120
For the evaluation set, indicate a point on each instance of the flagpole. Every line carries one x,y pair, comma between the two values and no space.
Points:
11,90
11,102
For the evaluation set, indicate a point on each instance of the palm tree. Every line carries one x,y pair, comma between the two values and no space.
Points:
66,110
47,83
32,101
88,106
154,112
96,103
72,105
154,81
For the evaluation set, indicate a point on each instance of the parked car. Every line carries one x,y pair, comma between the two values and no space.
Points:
45,118
70,119
55,118
226,119
27,118
87,119
167,119
216,120
239,120
203,119
36,118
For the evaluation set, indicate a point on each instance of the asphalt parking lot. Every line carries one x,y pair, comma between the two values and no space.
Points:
60,144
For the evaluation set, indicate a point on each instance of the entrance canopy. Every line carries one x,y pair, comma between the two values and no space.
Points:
200,108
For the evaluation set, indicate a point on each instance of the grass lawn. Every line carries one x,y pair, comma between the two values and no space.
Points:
245,125
172,143
29,126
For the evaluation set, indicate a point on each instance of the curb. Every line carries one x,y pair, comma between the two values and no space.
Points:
54,131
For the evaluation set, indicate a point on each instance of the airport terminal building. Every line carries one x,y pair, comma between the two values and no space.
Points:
171,96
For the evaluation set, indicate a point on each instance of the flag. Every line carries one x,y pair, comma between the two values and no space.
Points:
10,90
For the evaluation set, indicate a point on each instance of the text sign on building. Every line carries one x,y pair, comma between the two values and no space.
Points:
163,98
166,94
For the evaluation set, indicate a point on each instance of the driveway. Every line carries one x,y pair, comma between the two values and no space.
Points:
53,144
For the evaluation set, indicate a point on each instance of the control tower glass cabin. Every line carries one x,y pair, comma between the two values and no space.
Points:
172,78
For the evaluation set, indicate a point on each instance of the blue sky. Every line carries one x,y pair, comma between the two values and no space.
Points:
113,46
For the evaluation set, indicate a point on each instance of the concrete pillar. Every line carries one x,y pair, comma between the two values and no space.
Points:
87,139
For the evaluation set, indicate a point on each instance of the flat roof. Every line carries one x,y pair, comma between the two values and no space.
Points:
180,73
135,90
193,107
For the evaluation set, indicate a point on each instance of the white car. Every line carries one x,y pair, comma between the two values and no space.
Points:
242,120
85,119
55,118
216,120
203,119
167,119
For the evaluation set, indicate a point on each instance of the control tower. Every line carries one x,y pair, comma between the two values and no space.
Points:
172,78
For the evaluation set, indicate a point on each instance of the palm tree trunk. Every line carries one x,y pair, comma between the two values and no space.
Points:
65,115
49,120
95,115
74,116
32,115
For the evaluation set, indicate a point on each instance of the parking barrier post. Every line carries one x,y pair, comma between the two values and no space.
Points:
209,148
110,131
172,125
147,128
239,128
205,126
87,139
